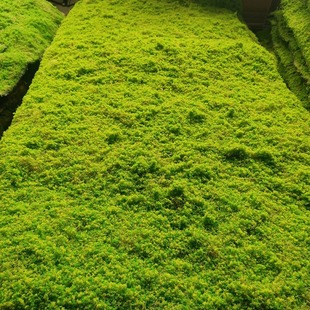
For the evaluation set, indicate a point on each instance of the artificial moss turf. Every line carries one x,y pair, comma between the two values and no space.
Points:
162,164
291,37
27,27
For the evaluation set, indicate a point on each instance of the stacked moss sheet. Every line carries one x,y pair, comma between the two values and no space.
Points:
291,39
157,162
27,27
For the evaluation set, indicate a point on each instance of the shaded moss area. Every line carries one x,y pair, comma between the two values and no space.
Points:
161,164
9,103
291,40
27,29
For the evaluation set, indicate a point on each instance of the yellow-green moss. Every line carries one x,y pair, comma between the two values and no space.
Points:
157,162
291,37
27,28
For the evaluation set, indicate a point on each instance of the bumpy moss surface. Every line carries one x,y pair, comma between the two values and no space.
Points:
27,28
161,164
291,37
234,5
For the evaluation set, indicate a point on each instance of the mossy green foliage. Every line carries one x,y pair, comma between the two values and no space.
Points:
26,29
234,5
291,39
157,162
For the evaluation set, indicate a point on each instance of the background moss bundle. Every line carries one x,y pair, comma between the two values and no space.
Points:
291,38
161,164
26,29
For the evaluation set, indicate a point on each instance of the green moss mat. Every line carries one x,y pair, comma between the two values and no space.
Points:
296,14
162,164
234,5
294,72
299,61
26,29
291,25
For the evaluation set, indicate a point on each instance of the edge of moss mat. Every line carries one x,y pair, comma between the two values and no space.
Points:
27,28
291,37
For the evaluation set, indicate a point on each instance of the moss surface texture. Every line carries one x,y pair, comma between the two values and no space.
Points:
291,39
27,27
158,161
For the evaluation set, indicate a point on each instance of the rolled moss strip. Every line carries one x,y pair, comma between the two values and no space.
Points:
296,14
292,26
27,27
294,72
157,162
286,34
